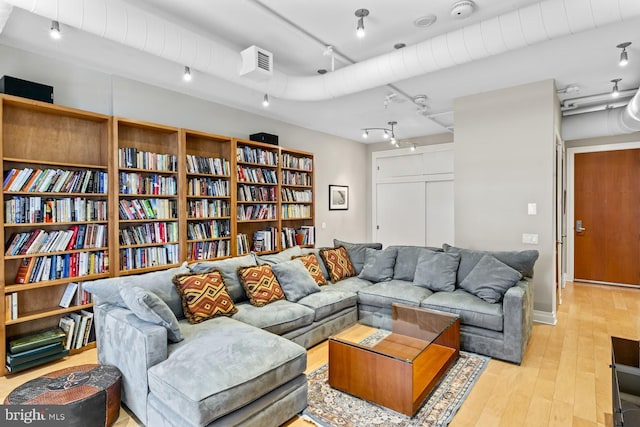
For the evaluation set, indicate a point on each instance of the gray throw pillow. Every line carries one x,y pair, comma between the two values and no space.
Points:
407,259
149,307
295,280
356,252
378,265
437,271
490,279
279,257
229,270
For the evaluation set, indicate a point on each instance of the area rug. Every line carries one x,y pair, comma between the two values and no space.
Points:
330,407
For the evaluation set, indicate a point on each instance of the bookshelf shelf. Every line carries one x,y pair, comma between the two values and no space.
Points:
42,314
148,171
147,196
297,219
89,346
206,175
297,186
142,221
257,183
209,197
255,202
48,163
57,195
52,224
8,289
209,218
148,269
71,251
211,239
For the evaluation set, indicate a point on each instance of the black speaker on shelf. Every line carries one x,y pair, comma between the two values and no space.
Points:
264,137
26,89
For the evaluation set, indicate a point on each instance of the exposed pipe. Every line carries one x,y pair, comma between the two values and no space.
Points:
549,19
5,11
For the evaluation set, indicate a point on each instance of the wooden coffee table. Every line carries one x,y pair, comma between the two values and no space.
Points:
400,371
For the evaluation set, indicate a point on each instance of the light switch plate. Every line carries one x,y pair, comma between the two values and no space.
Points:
530,239
532,208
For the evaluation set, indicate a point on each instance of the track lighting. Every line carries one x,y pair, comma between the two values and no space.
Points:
361,13
365,134
187,74
624,56
387,132
265,101
615,92
413,147
386,135
54,31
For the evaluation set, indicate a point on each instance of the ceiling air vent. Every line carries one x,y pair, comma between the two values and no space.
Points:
257,63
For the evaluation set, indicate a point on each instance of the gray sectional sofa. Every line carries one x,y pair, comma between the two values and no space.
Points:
248,369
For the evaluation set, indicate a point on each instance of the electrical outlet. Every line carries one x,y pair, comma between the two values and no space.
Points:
532,209
530,239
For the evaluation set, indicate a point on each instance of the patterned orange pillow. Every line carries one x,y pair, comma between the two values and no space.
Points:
260,284
313,266
338,263
204,296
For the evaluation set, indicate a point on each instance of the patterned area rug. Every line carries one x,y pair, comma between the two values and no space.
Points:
330,407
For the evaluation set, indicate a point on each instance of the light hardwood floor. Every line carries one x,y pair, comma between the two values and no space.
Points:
564,379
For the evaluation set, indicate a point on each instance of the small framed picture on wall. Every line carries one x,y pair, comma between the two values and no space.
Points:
338,197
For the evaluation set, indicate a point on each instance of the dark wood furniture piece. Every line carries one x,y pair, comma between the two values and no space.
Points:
400,371
90,393
625,381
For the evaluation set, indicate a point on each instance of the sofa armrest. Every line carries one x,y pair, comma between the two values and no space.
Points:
518,318
133,346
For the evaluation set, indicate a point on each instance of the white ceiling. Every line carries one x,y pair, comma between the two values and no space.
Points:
297,32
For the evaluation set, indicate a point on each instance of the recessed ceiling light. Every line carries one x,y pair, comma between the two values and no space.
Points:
399,45
425,21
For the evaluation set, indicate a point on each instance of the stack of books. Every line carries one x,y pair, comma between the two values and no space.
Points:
35,349
78,328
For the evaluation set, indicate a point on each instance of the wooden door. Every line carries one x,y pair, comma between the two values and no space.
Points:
607,212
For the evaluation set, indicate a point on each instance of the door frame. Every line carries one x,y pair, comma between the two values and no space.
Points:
571,153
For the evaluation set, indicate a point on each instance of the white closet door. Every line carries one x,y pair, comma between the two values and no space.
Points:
439,213
400,210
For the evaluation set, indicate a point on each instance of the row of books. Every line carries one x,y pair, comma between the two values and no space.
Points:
289,161
133,258
258,175
208,208
208,229
54,267
129,157
37,241
291,195
36,348
252,212
78,328
208,250
75,294
252,193
56,181
207,165
296,211
208,187
11,306
296,178
265,240
257,155
243,244
35,209
305,235
149,233
148,209
152,184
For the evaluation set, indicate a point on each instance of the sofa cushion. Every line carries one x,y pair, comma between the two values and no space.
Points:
325,304
229,269
234,366
472,310
437,270
204,296
316,251
312,264
338,263
521,261
295,280
281,256
150,308
356,252
107,291
278,317
384,294
407,259
490,279
378,264
350,284
260,284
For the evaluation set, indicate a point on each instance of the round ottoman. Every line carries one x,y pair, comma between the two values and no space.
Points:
90,393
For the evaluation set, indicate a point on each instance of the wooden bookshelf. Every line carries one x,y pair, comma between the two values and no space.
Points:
297,197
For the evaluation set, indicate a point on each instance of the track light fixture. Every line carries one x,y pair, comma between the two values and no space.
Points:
624,56
265,100
360,14
187,74
387,132
615,92
54,31
365,134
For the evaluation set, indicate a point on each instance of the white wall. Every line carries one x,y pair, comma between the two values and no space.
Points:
504,159
338,161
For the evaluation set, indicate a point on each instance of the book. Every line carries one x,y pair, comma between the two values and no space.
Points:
67,297
37,339
33,354
84,324
24,270
77,319
68,326
36,362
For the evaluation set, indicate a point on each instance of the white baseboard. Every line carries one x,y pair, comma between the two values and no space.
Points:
544,317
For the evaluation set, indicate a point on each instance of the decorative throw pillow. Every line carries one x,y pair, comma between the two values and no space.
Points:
310,261
149,307
356,252
204,296
378,265
260,284
295,280
338,263
490,279
437,270
316,251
